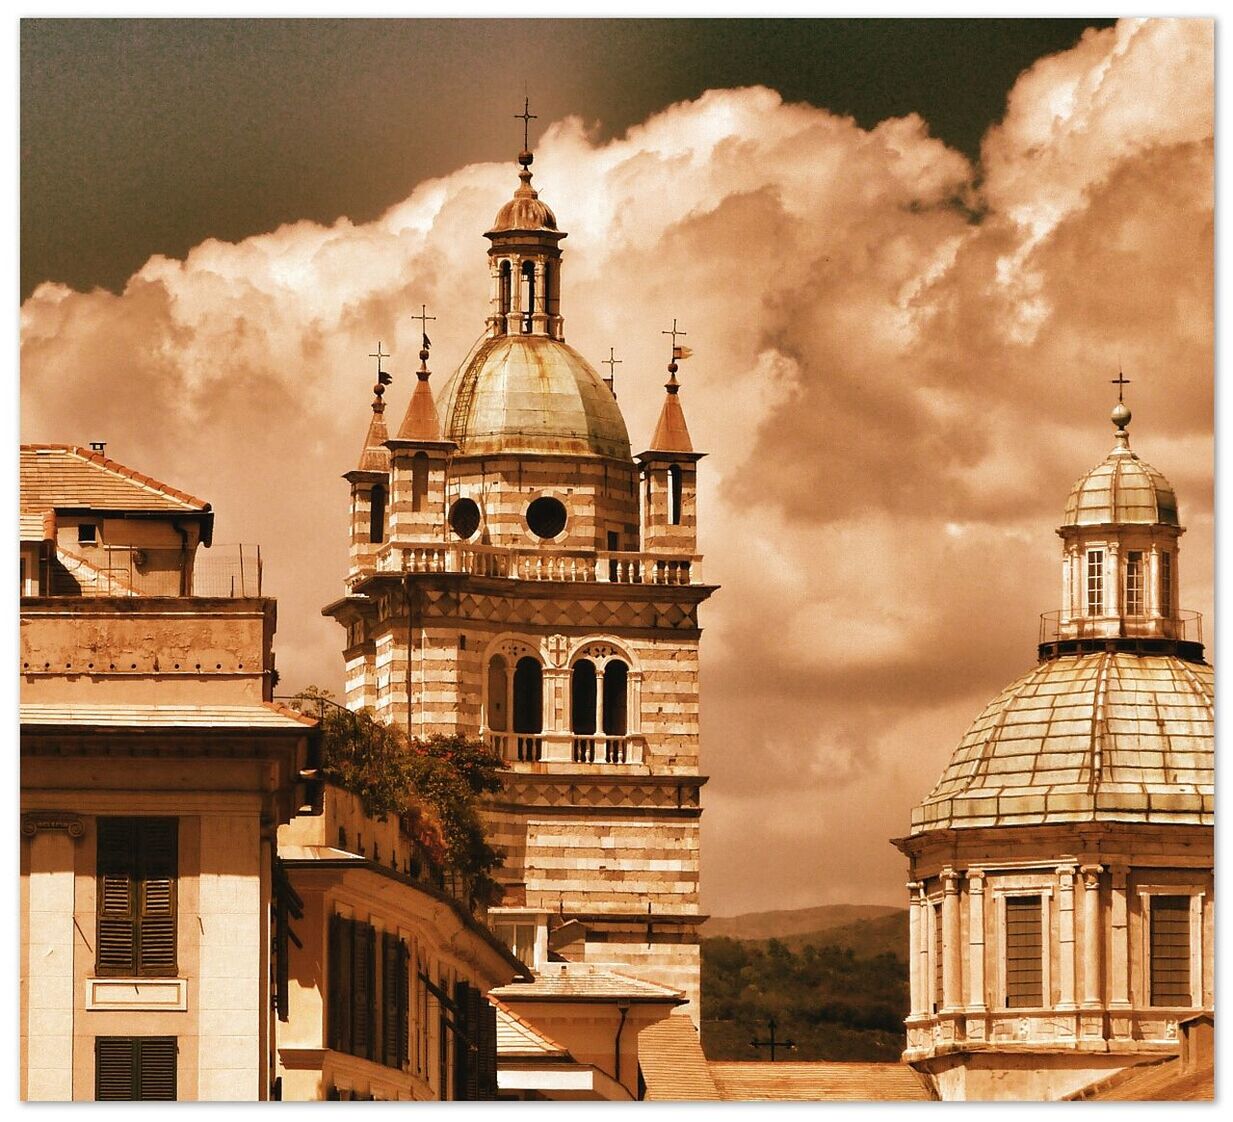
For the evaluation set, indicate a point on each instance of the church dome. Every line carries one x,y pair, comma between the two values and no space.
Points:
1108,736
525,211
533,394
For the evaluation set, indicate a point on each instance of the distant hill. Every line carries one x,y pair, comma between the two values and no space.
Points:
798,921
835,978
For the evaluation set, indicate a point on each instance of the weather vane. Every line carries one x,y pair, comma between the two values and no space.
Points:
526,117
678,352
772,1043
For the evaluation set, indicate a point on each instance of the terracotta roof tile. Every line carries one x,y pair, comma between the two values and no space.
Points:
516,1036
674,1068
1161,1081
64,475
821,1081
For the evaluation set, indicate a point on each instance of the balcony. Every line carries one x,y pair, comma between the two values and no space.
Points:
1181,634
505,563
567,748
230,572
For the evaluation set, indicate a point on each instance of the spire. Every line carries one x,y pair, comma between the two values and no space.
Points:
375,456
671,433
421,422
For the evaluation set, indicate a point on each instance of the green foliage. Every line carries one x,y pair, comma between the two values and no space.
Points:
434,786
832,1002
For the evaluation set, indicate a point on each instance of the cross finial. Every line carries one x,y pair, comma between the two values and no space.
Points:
1120,381
611,362
677,352
379,356
383,379
526,117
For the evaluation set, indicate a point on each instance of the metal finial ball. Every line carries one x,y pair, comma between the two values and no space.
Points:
424,355
525,158
672,368
378,389
1121,415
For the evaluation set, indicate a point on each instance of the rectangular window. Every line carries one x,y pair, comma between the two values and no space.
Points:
937,957
1024,953
1095,582
136,897
1166,585
135,1068
520,938
1134,582
1169,950
87,533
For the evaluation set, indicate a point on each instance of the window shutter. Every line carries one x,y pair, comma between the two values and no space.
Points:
362,990
403,995
1170,950
937,957
116,887
341,939
1024,953
156,1068
157,922
487,1058
114,1069
389,1000
462,1053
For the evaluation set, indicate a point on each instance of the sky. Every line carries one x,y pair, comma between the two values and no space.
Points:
906,293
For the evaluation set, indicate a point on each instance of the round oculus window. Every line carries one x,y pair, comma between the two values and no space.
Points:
546,517
464,517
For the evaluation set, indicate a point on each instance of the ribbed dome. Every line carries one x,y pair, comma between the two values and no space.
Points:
532,393
1112,736
524,211
1121,489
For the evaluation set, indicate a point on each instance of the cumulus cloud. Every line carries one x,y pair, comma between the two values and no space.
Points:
902,363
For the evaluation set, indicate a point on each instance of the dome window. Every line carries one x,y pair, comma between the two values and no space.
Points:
1134,582
1095,582
546,517
465,518
1166,584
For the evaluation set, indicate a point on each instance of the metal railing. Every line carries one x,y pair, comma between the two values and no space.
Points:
1186,626
590,566
226,571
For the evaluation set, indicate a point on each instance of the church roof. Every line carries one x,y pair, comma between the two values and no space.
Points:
671,432
745,1081
1106,736
376,456
525,211
516,1036
1122,488
672,1063
533,394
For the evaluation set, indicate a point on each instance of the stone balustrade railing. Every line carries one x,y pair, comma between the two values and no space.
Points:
590,566
567,747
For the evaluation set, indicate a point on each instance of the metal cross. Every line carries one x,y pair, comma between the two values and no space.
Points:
674,333
526,117
1120,381
379,356
424,317
612,363
772,1044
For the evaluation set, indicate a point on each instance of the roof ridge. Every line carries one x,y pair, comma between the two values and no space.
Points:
287,711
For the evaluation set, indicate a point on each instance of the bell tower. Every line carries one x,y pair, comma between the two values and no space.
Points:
539,597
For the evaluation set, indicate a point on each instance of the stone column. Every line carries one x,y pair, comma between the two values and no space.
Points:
916,1006
952,958
1066,937
49,967
1119,956
539,310
599,704
922,957
1091,935
1152,580
513,320
1067,590
1113,579
635,703
976,941
494,299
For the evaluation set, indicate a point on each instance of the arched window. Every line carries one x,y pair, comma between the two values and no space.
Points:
552,288
616,683
498,715
376,514
419,480
674,494
506,291
528,696
528,294
582,698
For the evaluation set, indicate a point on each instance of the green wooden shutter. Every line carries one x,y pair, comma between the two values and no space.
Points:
156,940
486,1059
334,991
156,1068
116,889
363,987
403,996
114,1069
389,1000
135,1068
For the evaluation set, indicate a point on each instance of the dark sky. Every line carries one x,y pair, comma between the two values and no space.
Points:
147,136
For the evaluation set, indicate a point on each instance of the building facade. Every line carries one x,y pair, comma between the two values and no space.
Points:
155,770
518,575
1061,871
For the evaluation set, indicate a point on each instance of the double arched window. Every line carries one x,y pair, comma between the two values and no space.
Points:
599,709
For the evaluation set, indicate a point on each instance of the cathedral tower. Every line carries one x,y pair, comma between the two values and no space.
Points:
539,588
1061,882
